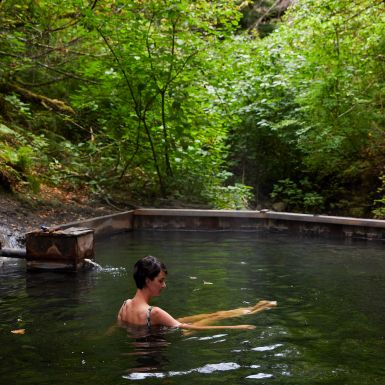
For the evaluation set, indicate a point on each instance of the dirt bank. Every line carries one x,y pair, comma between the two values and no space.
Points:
22,213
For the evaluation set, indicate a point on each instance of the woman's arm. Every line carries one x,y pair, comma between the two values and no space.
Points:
205,319
161,317
209,327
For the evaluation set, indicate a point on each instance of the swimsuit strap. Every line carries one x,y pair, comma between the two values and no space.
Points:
149,317
122,309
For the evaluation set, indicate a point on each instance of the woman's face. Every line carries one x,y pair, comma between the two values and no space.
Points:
157,284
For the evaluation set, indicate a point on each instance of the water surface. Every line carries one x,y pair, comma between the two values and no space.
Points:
328,328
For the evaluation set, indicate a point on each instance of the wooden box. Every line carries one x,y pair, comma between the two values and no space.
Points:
59,250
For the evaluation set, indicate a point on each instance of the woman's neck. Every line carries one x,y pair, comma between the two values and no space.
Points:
142,296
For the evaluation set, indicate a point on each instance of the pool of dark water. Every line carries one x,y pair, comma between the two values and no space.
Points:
328,328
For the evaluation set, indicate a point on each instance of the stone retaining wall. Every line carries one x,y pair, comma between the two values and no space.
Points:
209,220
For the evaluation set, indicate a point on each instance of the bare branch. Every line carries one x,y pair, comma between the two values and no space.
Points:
67,74
46,83
256,24
129,85
94,4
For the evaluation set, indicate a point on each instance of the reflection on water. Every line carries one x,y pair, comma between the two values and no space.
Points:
148,347
328,328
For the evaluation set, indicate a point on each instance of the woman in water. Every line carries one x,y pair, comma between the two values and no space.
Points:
150,278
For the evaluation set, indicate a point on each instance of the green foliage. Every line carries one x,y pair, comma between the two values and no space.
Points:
297,198
263,139
172,99
135,74
159,114
379,203
17,159
233,197
21,107
311,102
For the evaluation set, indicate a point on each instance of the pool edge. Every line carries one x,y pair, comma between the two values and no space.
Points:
246,220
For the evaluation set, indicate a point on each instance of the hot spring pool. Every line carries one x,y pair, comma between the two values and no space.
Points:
328,328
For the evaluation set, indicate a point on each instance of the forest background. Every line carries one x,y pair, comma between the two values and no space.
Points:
218,104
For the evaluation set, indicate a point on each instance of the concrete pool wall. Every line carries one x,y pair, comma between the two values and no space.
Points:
210,220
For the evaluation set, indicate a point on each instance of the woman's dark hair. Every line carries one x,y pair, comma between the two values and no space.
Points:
147,267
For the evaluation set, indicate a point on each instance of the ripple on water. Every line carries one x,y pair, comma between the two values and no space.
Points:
206,369
258,376
208,338
115,271
266,348
216,336
259,348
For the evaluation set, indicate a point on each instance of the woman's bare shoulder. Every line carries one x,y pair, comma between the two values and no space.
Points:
161,317
126,303
156,310
123,309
